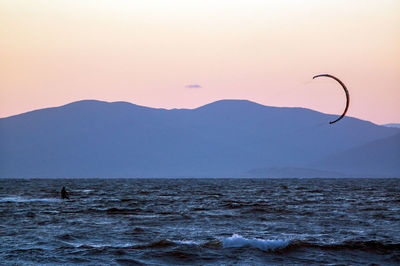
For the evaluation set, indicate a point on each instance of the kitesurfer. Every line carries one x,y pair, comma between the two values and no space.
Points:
64,193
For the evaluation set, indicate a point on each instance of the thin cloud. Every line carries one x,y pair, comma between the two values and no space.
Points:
193,86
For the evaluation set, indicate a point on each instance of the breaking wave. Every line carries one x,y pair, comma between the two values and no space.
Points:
237,241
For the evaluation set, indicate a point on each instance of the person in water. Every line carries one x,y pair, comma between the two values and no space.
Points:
64,193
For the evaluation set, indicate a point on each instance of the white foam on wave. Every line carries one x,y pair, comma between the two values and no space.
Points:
236,241
98,245
83,190
23,199
185,242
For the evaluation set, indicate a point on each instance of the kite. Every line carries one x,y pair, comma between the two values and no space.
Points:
345,90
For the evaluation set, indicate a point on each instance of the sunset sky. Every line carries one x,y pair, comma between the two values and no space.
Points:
184,54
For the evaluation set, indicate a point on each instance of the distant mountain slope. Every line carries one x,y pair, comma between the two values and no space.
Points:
224,138
376,158
290,172
395,125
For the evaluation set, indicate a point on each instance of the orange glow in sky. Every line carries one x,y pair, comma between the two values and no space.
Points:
53,52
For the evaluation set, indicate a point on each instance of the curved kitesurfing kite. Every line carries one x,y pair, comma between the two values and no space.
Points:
345,90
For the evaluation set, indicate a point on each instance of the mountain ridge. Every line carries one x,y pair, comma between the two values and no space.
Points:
373,156
225,138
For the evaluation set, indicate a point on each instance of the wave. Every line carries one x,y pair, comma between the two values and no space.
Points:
167,243
286,244
97,245
372,245
229,242
237,241
24,199
186,242
111,211
123,211
266,245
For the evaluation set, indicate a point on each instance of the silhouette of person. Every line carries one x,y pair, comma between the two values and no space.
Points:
64,193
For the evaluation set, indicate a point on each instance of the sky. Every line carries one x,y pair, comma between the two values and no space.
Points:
184,54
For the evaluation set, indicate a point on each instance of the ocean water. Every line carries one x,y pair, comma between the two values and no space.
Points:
200,221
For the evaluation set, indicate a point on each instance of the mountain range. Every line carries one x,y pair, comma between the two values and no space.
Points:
227,138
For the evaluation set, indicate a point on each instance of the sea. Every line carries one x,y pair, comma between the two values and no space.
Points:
200,222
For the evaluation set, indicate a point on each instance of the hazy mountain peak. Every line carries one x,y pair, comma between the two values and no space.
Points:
232,104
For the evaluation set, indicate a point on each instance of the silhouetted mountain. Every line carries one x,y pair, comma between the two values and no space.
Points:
396,125
376,158
290,172
224,138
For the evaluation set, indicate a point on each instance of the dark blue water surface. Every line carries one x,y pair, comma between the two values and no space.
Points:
200,221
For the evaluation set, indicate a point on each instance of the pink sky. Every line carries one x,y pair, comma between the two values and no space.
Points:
147,52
